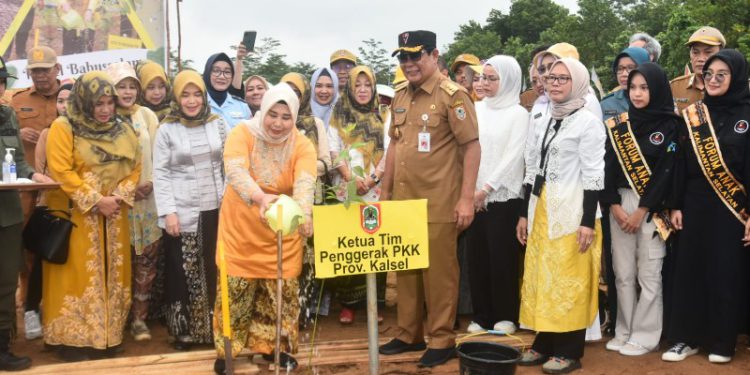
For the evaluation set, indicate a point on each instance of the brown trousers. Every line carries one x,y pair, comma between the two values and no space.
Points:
437,286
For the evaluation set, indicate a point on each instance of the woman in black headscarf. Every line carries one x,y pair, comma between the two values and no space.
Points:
710,275
637,253
222,97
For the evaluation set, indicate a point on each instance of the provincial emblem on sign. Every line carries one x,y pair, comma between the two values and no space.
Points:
370,217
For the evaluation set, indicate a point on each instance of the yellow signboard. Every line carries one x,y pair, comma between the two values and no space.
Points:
370,238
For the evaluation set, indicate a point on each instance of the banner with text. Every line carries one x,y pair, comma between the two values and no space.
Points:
370,238
75,65
81,31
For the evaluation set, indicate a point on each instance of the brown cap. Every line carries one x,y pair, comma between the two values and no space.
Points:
707,35
343,54
41,57
464,58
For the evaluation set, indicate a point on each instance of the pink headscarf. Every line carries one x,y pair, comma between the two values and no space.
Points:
580,81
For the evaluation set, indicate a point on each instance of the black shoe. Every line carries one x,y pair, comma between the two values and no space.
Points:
71,354
182,346
9,362
434,357
219,366
286,361
397,346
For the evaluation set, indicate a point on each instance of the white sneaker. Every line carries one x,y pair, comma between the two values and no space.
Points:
715,358
474,328
33,327
634,349
678,352
615,344
139,330
505,327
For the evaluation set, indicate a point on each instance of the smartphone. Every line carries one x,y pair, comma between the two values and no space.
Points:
249,40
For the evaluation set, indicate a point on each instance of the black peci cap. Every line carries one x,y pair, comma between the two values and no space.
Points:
415,41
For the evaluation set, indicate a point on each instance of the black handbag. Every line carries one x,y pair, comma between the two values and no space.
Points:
48,235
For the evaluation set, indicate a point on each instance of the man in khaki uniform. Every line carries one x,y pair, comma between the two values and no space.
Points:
35,109
703,44
458,69
434,153
341,62
35,106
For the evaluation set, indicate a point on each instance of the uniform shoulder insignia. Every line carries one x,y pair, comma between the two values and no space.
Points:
401,86
680,78
449,87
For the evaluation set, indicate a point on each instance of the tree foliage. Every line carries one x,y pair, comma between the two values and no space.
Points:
374,55
600,29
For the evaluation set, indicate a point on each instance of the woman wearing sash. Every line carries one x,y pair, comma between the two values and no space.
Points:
639,140
564,174
710,275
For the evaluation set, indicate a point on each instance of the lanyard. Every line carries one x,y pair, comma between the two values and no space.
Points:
546,145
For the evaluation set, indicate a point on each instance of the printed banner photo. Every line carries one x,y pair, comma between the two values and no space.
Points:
81,32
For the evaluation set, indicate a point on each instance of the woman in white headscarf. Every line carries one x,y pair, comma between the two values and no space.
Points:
494,255
564,174
264,158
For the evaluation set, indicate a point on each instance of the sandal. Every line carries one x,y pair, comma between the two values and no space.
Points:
287,361
560,365
346,316
532,358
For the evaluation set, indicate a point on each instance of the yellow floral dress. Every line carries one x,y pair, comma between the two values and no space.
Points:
87,299
560,284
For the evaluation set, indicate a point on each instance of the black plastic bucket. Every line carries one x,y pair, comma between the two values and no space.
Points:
487,358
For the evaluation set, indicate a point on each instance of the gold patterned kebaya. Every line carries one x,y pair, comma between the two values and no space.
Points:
87,299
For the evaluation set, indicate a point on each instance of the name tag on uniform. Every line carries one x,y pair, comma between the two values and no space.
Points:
424,136
235,114
424,142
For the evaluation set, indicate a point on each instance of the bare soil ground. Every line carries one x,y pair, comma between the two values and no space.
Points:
596,361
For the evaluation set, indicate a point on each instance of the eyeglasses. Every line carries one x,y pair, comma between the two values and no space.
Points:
560,79
488,78
219,73
720,76
625,69
410,56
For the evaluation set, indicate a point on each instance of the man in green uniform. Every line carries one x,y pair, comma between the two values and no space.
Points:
11,225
